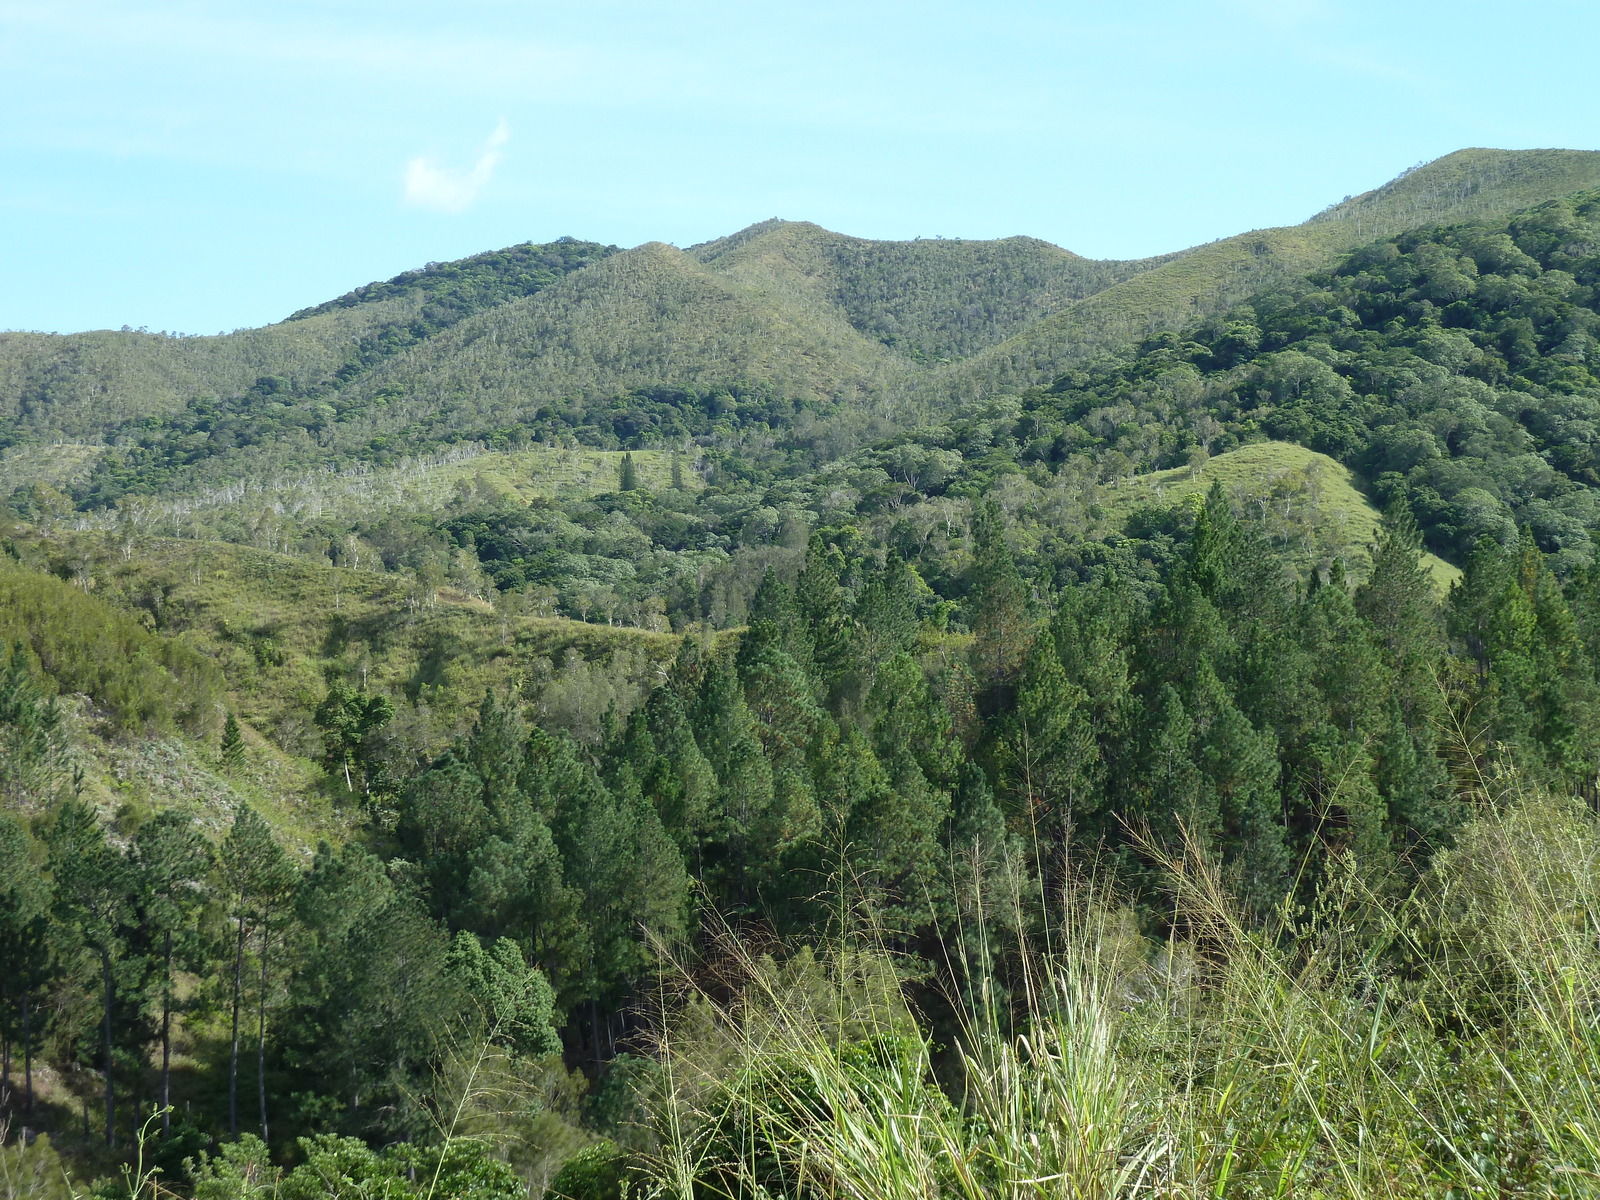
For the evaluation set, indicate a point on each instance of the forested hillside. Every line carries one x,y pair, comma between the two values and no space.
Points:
95,385
932,300
602,726
852,331
1470,184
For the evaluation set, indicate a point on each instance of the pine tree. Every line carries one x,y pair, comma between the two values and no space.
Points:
32,747
631,880
255,878
443,820
93,897
1398,598
171,860
820,604
1236,810
627,475
1168,788
774,623
478,822
1091,630
1535,687
1399,603
893,866
373,996
680,783
1215,547
1048,756
726,732
999,607
494,751
232,742
914,744
517,1002
25,952
788,724
885,616
912,731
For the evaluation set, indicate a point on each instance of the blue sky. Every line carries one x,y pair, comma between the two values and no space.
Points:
199,166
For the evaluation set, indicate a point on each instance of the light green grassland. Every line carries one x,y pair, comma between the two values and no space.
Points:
59,464
470,476
278,625
1307,501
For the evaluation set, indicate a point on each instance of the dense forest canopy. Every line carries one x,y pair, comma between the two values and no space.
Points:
581,735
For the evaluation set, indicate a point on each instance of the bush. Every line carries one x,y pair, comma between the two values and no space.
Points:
594,1173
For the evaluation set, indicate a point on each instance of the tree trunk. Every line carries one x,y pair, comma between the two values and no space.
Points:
261,1037
166,1040
111,1091
233,1055
27,1051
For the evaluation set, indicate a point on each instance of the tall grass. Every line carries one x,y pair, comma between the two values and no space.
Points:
1441,1042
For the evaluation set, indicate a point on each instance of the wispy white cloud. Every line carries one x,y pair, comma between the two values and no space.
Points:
453,189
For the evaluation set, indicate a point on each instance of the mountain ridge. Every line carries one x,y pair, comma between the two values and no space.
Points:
1211,277
867,330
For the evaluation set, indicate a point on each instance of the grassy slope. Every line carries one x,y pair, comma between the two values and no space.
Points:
425,485
649,315
277,626
277,623
73,385
932,300
1466,185
59,463
83,384
642,317
1308,500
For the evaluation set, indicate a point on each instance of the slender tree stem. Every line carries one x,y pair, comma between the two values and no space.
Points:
27,1051
166,1039
111,1092
233,1056
261,1037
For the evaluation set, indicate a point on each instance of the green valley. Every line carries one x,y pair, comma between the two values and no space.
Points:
809,716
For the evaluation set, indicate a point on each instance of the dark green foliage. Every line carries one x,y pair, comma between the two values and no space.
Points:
478,823
516,1000
1535,686
374,1001
92,901
25,949
596,1172
171,860
256,882
31,741
1048,758
342,1168
1449,365
452,290
232,747
999,607
348,718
